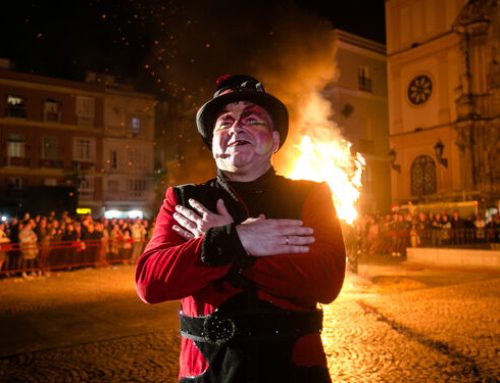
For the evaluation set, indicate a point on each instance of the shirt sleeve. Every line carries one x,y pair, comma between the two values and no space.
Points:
170,266
312,277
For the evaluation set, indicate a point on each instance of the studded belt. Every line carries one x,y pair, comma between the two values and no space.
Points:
221,327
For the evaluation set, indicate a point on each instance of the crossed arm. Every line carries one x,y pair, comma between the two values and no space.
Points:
299,259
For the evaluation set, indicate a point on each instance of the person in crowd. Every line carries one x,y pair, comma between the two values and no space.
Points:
249,253
29,248
480,226
4,240
458,227
138,236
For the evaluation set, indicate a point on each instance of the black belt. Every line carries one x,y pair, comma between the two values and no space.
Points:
221,327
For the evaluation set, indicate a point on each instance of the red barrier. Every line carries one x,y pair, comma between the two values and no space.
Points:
43,257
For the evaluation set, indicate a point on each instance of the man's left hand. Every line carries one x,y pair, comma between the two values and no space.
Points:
193,223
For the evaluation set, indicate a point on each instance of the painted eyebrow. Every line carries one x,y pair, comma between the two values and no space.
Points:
248,111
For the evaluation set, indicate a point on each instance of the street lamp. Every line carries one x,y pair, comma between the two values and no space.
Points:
439,149
392,156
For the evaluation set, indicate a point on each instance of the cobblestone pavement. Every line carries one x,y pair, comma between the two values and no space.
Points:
391,324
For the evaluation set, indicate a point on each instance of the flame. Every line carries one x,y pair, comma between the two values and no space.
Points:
325,156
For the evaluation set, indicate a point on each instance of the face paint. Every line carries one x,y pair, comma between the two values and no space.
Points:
244,140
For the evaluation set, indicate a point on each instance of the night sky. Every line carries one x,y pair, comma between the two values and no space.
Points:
173,47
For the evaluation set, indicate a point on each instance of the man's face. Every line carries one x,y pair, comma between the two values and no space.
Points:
244,140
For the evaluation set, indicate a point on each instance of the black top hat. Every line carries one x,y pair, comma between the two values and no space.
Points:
240,88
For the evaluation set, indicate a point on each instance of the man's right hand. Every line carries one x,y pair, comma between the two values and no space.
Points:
264,237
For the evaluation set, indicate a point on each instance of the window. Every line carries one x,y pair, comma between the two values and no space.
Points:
86,187
136,125
14,183
83,149
114,160
15,146
85,110
52,110
137,187
423,176
364,80
50,148
16,106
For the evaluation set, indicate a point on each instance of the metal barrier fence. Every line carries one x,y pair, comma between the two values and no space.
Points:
396,241
42,257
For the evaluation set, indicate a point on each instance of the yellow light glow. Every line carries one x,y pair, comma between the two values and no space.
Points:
325,156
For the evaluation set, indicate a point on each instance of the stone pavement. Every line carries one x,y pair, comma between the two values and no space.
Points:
391,323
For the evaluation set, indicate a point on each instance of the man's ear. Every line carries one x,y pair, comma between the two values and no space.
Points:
276,141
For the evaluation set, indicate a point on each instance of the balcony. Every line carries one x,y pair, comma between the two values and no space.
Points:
18,112
83,165
365,84
17,161
47,163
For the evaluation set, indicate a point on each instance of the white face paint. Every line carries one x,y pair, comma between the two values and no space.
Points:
244,141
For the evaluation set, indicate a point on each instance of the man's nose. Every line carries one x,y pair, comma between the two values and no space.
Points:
236,127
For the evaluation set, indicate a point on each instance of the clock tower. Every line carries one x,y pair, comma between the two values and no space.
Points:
444,102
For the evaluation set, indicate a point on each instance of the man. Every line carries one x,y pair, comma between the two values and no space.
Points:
249,254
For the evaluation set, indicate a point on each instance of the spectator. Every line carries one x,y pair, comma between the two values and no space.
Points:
29,248
480,225
4,239
457,229
138,234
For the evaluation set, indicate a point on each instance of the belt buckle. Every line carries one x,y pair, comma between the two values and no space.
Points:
218,329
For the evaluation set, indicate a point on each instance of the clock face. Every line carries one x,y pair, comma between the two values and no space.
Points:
420,89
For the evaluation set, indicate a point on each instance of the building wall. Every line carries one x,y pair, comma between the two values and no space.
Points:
128,150
39,136
53,133
359,102
451,44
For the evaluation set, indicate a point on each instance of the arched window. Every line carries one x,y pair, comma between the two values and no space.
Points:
423,176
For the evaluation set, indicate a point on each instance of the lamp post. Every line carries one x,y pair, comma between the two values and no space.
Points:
438,150
392,157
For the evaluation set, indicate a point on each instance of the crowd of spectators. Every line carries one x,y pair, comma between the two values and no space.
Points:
392,234
34,245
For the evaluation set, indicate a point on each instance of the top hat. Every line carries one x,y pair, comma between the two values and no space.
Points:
234,88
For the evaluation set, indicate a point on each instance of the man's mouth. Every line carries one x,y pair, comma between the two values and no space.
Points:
239,143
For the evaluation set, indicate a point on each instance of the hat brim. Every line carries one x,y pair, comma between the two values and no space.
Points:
208,113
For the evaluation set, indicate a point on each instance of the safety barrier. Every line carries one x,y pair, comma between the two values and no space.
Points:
397,241
42,257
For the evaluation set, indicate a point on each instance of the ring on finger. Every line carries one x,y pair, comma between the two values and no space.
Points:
286,239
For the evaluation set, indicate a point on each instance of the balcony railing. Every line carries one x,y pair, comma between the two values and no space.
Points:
15,112
365,84
17,161
83,165
47,163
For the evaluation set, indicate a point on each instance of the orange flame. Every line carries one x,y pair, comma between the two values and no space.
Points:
325,156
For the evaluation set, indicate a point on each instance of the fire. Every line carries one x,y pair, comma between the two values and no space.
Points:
325,156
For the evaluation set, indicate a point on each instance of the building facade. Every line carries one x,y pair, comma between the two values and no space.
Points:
444,108
359,102
53,134
128,152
